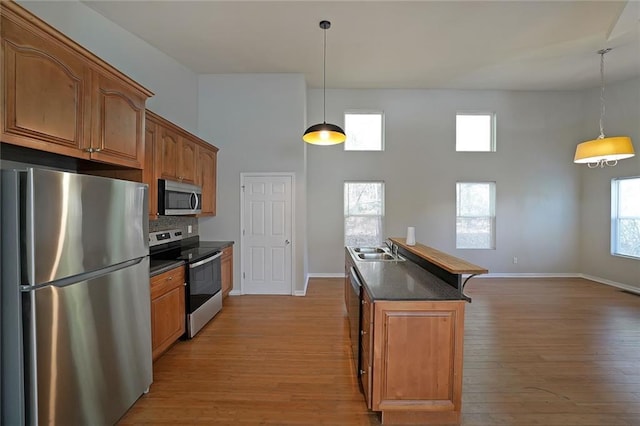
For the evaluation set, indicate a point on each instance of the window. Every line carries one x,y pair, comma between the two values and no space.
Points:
625,217
365,131
475,215
476,132
363,213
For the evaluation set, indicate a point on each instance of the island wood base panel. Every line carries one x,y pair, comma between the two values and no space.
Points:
419,418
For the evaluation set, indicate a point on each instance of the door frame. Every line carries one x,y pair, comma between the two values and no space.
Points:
292,175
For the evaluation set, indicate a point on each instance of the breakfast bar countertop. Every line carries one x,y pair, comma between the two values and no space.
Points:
402,280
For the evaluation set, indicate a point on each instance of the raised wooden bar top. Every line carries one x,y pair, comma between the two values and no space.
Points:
445,261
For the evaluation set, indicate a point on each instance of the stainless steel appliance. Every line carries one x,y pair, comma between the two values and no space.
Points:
354,316
204,276
76,332
177,198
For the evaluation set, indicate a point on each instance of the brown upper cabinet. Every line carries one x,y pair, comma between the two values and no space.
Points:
207,178
59,97
178,155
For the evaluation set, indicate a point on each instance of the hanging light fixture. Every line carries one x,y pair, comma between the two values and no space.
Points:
603,151
324,133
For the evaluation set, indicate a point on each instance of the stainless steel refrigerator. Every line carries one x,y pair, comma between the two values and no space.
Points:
76,332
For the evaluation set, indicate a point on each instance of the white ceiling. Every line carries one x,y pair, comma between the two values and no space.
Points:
520,45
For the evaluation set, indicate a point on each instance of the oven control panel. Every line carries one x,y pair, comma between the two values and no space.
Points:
162,237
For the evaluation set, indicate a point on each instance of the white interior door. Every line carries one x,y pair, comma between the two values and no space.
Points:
267,234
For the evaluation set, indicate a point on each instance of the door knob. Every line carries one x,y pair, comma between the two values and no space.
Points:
287,242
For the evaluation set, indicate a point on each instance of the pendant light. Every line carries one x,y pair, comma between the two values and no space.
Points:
324,133
603,151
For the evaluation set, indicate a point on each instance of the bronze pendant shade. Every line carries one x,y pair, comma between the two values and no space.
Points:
324,133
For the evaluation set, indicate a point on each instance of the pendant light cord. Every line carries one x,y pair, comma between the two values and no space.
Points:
324,78
602,110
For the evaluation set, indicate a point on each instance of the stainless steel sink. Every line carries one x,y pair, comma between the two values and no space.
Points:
368,250
375,256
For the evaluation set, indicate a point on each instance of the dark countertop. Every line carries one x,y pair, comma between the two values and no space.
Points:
216,244
402,280
165,261
156,267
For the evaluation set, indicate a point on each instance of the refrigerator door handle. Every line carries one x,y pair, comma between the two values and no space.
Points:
63,282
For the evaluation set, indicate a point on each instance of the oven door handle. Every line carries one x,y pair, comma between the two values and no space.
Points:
207,260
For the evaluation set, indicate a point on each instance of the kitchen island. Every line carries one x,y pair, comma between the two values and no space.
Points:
407,332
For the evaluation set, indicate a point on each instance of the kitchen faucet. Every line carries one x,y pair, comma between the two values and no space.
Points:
392,247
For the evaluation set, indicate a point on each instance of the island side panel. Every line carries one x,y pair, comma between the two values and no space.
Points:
418,354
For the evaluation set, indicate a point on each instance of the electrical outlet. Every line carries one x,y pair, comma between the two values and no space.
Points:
190,230
515,260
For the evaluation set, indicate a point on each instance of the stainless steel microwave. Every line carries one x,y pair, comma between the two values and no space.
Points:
177,198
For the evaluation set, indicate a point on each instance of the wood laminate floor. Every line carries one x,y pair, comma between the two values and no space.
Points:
537,352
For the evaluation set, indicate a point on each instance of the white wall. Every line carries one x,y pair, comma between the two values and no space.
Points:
175,86
622,118
257,121
537,185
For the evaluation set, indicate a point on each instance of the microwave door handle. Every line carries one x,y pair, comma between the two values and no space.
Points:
193,201
207,260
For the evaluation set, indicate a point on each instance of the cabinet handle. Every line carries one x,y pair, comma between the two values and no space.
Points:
362,332
170,278
97,149
362,372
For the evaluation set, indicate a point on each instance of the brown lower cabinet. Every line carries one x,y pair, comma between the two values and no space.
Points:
167,310
226,265
411,359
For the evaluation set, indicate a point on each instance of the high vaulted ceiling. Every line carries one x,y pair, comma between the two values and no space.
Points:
519,45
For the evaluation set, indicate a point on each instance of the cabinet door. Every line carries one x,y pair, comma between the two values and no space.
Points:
149,172
418,348
168,153
226,264
207,179
167,310
118,120
187,161
167,319
46,94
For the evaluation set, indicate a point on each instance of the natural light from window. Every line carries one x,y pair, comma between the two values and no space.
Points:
475,215
625,217
364,131
475,132
363,213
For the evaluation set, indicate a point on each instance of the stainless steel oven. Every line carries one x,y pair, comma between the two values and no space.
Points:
177,198
203,292
204,295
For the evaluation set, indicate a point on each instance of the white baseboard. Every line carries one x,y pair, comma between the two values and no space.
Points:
528,275
316,275
235,293
324,275
622,286
611,283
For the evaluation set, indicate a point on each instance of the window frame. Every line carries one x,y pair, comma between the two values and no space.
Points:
492,217
615,217
344,207
492,136
365,112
